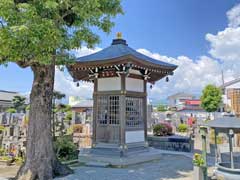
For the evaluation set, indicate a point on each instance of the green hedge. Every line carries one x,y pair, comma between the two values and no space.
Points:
162,129
182,128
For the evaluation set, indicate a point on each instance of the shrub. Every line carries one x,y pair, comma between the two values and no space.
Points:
65,148
3,152
19,161
11,110
77,128
5,158
198,160
182,128
162,129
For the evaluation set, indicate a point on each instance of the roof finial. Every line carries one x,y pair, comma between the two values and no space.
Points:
119,35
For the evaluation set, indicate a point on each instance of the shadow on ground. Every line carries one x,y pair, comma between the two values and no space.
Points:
169,167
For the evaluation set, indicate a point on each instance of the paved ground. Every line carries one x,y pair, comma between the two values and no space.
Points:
169,167
7,171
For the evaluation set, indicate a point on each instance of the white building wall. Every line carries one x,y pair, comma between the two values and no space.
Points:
109,84
136,85
134,136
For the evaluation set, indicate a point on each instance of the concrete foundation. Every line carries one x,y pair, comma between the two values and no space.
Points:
87,155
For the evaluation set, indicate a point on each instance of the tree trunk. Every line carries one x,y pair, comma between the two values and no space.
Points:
53,119
41,162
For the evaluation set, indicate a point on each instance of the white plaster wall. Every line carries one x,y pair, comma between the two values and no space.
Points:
134,136
136,85
109,84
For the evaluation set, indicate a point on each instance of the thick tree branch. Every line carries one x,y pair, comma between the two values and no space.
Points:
24,64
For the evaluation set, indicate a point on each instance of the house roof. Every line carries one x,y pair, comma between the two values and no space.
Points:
180,94
120,54
193,102
7,95
230,83
119,48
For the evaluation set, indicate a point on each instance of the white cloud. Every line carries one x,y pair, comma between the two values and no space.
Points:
64,82
85,51
191,75
234,16
225,45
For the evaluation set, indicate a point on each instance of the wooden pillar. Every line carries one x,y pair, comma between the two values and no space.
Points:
94,133
145,110
123,111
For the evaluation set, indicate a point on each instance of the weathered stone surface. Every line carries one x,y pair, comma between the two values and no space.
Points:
171,143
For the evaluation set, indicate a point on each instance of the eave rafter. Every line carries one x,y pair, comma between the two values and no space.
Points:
114,67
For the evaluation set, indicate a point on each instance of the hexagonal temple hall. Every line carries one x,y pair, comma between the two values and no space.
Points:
120,76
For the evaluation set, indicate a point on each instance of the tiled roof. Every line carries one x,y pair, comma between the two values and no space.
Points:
7,95
230,83
193,102
180,94
119,48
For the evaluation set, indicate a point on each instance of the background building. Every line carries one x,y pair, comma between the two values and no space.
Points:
231,96
177,101
6,99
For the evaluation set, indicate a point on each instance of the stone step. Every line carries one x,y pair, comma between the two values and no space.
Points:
97,164
137,150
106,151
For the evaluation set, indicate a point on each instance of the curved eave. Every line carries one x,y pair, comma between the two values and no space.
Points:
123,60
80,70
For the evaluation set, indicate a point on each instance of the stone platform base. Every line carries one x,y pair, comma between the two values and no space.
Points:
87,156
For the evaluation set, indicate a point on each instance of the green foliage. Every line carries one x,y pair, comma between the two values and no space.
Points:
161,108
69,131
19,160
19,103
2,128
68,116
65,148
3,152
5,158
58,95
36,32
11,110
198,160
211,98
162,129
182,128
63,108
27,108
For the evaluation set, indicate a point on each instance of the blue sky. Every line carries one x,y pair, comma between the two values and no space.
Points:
172,28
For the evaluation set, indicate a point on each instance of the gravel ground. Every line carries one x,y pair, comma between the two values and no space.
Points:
169,167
